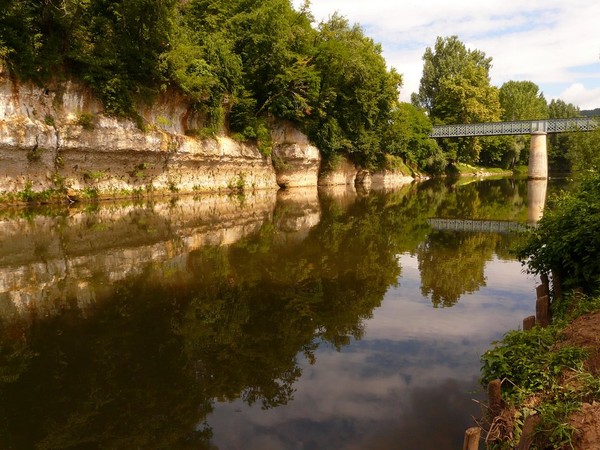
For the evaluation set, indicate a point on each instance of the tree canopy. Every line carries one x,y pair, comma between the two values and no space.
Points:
455,88
240,63
243,64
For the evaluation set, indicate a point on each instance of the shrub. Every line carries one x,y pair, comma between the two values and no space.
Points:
567,239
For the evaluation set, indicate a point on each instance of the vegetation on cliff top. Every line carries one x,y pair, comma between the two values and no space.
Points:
243,62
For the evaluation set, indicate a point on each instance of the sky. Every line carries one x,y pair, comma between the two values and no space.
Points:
554,43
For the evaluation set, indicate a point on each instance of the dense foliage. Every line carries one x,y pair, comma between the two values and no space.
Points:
455,88
240,63
243,63
567,239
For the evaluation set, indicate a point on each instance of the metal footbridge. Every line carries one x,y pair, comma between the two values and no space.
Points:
516,127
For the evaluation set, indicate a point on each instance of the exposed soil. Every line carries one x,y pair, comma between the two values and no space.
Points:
585,332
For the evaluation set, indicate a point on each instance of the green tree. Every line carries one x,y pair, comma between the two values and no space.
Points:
567,239
357,93
116,48
455,88
407,136
520,100
560,144
584,151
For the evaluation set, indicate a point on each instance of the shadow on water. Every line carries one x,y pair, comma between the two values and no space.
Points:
122,326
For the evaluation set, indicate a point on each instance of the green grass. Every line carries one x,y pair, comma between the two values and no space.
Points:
540,377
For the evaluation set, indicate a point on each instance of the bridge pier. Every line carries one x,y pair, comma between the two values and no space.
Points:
538,157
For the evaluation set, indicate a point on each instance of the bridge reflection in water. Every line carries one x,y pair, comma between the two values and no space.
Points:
536,201
478,226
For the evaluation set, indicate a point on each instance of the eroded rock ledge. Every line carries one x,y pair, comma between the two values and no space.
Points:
57,137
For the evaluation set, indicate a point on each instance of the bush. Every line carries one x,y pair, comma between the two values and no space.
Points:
567,239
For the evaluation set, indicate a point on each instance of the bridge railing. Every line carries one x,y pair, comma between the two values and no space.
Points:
516,127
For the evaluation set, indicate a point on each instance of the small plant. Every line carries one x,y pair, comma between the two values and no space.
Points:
164,121
279,164
93,175
543,378
34,154
86,121
49,120
139,171
263,140
397,164
239,137
27,194
90,192
173,187
237,184
59,182
203,133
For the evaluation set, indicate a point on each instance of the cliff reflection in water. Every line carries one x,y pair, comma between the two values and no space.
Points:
121,326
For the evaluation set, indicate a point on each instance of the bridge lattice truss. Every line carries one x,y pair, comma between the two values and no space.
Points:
517,127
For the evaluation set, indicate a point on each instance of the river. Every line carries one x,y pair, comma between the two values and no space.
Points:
302,319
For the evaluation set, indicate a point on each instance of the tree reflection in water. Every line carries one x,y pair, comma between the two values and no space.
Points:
142,367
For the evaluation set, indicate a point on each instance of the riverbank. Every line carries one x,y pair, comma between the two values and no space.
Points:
550,382
58,144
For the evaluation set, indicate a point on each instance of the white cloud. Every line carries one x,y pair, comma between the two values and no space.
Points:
542,41
579,95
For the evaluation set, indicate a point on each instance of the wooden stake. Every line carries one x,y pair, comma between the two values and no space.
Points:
472,436
528,323
541,291
528,434
542,311
556,285
495,397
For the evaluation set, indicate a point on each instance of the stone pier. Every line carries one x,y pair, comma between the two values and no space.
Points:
538,156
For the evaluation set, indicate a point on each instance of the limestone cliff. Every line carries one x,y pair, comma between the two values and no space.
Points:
58,138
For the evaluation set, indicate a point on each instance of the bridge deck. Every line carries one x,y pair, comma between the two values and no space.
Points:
515,128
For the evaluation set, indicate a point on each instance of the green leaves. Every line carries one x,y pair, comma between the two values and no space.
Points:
357,95
455,88
567,239
240,63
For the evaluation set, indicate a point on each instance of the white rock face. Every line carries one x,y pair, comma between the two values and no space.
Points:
388,179
344,173
58,135
296,160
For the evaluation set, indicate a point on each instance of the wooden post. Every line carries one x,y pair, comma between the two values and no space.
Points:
542,311
528,323
495,397
528,433
542,290
556,285
472,436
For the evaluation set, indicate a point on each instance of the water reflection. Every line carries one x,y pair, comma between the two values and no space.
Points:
536,200
124,326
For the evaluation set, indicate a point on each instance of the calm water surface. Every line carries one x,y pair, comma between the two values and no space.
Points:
306,319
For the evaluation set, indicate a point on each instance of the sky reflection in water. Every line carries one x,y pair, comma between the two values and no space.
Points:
409,383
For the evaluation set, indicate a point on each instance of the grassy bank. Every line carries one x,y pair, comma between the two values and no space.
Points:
547,375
